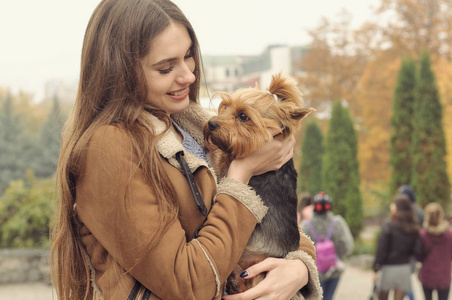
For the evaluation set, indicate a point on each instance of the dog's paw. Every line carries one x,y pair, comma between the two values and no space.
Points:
233,284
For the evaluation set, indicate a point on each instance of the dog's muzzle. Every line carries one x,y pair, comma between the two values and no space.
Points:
213,125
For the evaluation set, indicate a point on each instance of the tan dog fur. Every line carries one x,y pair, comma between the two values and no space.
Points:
246,120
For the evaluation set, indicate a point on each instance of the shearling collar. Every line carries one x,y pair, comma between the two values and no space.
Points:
438,230
192,119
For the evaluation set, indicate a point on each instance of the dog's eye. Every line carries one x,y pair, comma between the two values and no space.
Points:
242,117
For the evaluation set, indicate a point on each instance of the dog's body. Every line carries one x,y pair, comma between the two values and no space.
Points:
278,233
242,126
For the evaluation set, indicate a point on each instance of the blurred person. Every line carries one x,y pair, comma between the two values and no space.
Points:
398,241
324,224
436,258
408,190
305,207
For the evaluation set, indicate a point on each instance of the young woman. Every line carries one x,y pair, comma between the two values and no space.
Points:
305,207
141,213
398,242
437,253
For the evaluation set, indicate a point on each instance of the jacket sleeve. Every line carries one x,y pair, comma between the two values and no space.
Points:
383,245
342,237
419,248
157,253
306,253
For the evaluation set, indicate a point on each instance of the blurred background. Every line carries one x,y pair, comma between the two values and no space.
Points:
381,70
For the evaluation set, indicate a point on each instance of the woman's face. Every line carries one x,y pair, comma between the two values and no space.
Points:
393,208
168,69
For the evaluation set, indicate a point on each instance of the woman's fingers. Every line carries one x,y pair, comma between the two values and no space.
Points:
263,266
283,279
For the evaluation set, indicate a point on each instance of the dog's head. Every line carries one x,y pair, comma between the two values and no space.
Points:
250,117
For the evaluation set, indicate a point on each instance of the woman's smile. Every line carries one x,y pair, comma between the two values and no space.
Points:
179,95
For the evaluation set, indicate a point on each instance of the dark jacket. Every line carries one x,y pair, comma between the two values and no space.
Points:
395,246
435,272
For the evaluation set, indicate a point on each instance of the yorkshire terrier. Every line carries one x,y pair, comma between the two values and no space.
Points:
245,121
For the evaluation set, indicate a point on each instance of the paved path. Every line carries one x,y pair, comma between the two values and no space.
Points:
28,291
355,284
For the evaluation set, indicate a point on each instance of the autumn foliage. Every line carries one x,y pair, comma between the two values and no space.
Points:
361,66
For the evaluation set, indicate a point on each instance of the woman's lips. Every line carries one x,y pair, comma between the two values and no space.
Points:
179,95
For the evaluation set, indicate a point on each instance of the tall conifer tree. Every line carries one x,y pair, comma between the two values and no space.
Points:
48,146
13,145
340,168
402,125
310,175
429,176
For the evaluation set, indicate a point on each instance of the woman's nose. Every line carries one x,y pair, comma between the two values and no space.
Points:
186,73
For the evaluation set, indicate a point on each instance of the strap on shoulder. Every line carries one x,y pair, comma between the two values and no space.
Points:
311,228
330,230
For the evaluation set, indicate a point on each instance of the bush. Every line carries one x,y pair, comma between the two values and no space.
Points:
363,247
25,212
366,245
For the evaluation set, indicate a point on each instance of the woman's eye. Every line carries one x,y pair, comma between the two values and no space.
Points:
166,71
189,54
242,117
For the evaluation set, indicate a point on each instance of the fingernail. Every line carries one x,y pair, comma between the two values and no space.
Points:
244,274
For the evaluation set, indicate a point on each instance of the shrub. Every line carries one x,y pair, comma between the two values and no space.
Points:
25,212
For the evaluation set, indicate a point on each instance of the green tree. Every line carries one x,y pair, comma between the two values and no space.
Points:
25,212
429,177
47,147
340,168
14,145
402,125
310,179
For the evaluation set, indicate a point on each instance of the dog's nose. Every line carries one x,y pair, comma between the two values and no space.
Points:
213,125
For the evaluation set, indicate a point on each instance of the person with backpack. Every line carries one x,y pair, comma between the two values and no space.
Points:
333,241
436,258
398,241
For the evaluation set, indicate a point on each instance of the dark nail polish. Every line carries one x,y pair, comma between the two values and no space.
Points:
244,274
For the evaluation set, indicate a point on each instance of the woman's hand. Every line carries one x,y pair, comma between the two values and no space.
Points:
284,279
272,156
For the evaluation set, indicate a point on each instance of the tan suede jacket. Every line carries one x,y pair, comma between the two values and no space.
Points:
179,266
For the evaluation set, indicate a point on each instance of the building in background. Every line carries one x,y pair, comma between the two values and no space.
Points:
65,91
229,73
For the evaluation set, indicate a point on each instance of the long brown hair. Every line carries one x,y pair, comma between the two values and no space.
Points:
112,90
404,216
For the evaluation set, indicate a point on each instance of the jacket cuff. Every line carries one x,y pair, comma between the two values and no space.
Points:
245,195
312,290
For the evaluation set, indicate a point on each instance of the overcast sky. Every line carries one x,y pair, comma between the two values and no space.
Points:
41,39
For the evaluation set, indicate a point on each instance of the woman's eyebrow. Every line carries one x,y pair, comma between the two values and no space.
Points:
164,61
171,59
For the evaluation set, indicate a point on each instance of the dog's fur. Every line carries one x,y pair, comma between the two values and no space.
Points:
242,126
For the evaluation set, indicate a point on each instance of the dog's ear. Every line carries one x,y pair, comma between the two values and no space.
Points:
285,87
300,113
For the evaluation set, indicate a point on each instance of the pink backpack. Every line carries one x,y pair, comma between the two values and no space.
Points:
325,250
